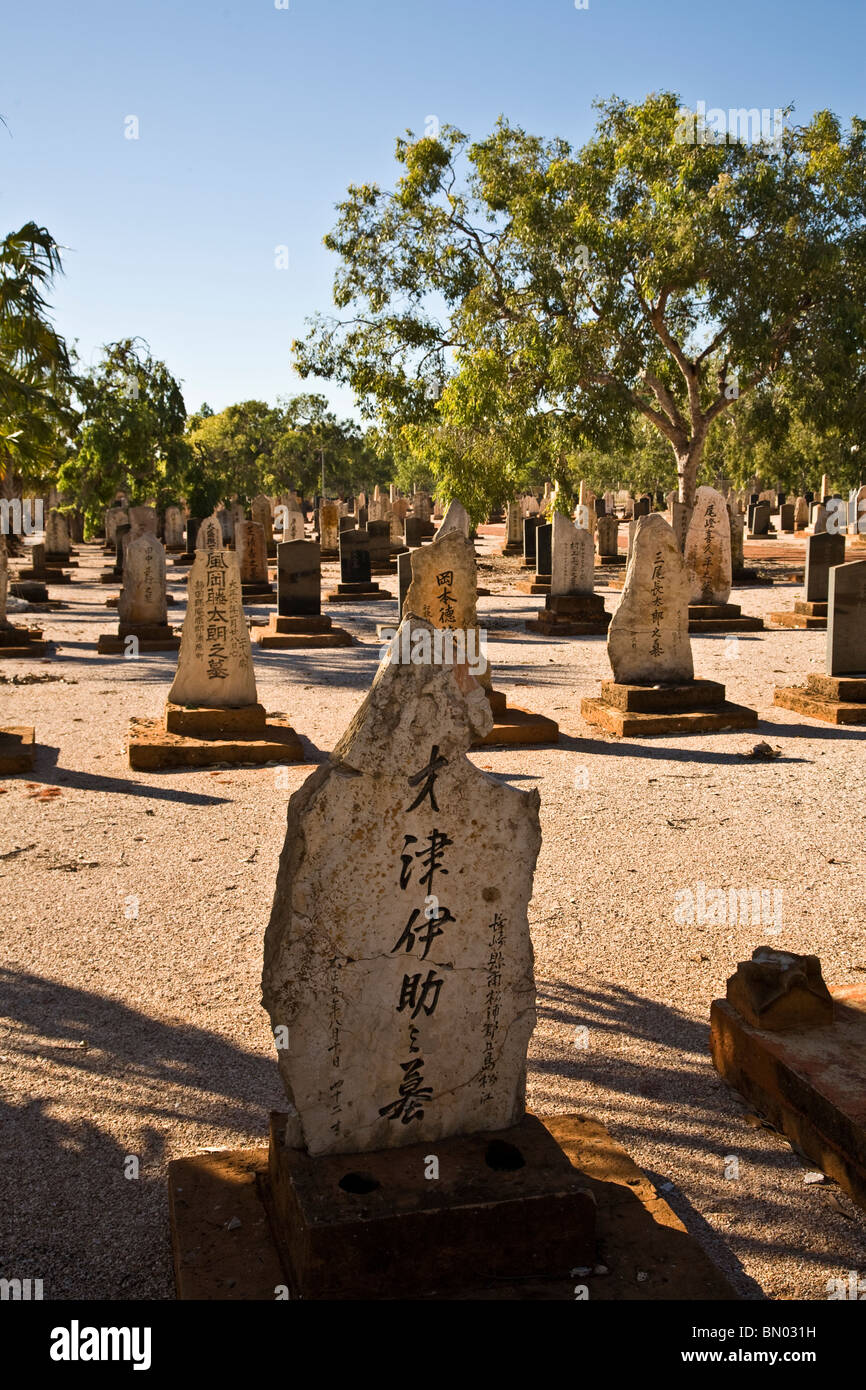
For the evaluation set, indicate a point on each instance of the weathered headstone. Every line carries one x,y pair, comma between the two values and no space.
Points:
260,511
414,531
513,529
607,532
444,590
446,992
354,557
572,558
56,536
142,598
143,521
530,529
329,527
215,663
708,549
648,639
251,548
210,534
801,514
174,528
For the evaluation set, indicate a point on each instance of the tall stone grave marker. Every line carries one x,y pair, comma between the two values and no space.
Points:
572,607
141,607
298,621
839,696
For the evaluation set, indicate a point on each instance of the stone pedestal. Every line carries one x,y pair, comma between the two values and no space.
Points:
21,641
516,726
689,707
796,1052
17,749
721,617
234,1237
357,593
200,737
151,637
571,615
832,699
803,617
301,632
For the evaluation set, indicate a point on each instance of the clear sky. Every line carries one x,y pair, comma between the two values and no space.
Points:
253,120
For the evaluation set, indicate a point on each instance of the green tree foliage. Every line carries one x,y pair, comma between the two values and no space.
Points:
132,431
517,288
36,374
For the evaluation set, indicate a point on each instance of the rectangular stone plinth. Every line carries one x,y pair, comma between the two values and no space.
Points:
296,634
16,642
224,1249
628,723
108,645
586,607
17,749
551,626
799,622
809,1082
721,617
809,609
802,700
261,591
151,747
535,586
838,687
202,722
517,726
654,699
358,593
505,1203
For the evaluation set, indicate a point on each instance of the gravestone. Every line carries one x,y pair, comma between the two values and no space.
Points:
329,528
252,553
354,557
192,525
260,511
142,598
607,531
759,519
846,620
530,528
572,558
447,995
823,553
648,639
215,664
543,552
414,531
737,522
56,537
653,690
225,521
786,516
819,519
113,518
210,533
642,507
174,528
379,539
801,514
143,521
298,621
513,529
455,519
708,549
443,590
572,608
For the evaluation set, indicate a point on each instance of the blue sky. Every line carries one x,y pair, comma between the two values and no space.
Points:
253,120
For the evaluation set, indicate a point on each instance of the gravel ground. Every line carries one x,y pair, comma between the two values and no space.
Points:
135,906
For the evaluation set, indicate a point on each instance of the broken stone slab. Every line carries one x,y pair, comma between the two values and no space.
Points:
406,992
778,990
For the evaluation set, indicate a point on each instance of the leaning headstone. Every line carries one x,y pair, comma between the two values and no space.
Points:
653,690
212,714
759,520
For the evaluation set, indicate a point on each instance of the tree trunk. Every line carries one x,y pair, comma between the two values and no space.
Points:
688,463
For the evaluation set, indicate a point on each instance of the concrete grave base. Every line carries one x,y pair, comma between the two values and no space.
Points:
300,633
258,591
571,615
721,617
357,593
832,699
17,749
516,726
804,616
533,586
43,576
809,1082
21,642
691,707
236,1221
201,737
152,637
